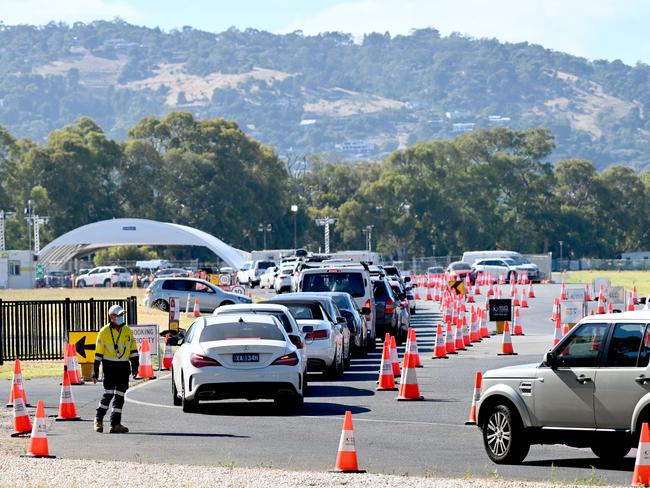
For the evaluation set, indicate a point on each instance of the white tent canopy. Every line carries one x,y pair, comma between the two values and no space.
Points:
135,232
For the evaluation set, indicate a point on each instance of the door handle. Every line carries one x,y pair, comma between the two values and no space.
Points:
582,379
641,379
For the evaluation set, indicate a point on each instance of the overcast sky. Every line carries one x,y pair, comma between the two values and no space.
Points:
596,29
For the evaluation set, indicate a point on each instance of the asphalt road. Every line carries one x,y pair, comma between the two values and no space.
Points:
418,438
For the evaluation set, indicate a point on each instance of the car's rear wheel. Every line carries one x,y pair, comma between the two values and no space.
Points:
175,398
189,406
107,283
611,450
332,371
81,284
161,305
503,436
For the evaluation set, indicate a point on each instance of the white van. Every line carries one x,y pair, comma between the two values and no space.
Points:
520,262
349,277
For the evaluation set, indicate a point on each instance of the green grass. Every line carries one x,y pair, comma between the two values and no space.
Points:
628,279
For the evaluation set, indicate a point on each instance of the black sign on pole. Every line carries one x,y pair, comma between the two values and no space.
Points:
500,309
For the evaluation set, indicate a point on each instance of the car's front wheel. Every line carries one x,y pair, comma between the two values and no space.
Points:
161,305
504,436
611,450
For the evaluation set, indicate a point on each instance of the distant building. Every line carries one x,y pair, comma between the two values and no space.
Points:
306,122
463,127
458,114
495,120
358,149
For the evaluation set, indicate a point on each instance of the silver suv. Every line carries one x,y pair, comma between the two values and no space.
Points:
591,390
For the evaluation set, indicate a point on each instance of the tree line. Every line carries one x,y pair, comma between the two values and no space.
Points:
487,189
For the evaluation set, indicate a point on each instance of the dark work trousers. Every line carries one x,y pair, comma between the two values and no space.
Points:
116,382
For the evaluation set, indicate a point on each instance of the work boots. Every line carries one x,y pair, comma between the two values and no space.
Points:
99,426
118,429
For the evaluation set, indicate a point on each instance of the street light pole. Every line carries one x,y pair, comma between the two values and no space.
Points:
294,210
264,228
38,221
326,222
561,245
368,232
28,217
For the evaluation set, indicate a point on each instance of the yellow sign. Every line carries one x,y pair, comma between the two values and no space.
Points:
85,343
458,286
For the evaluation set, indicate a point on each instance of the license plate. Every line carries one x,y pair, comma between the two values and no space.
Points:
245,358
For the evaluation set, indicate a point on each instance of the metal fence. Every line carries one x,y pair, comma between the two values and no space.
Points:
601,264
37,329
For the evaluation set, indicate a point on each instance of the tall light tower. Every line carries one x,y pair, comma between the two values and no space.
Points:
326,222
38,221
368,232
4,215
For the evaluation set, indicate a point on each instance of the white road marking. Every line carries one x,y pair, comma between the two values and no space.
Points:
147,404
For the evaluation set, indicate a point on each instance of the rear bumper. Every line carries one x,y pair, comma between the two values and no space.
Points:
251,385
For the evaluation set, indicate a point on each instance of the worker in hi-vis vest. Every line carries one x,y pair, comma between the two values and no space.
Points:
117,352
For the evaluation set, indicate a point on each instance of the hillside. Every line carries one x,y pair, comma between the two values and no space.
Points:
327,93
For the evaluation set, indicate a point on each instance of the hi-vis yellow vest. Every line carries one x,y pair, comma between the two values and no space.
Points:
115,345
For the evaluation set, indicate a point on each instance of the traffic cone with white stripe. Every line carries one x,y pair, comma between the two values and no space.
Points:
506,344
346,458
483,329
601,302
450,343
587,293
557,335
197,310
531,293
17,379
68,363
466,339
635,296
474,334
563,291
412,347
641,476
168,356
630,302
475,398
408,386
394,356
145,369
440,351
459,342
386,376
523,303
517,328
78,376
22,424
38,447
67,407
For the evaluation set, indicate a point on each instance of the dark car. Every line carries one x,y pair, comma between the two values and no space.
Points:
355,319
58,279
387,310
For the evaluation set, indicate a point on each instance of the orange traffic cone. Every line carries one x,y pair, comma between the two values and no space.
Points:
635,296
587,294
22,424
466,341
450,343
523,302
67,407
408,386
346,458
38,441
506,344
531,293
517,328
78,376
394,356
475,398
68,362
17,379
145,370
641,476
412,347
428,297
483,329
630,302
386,377
197,310
440,351
459,342
168,356
557,336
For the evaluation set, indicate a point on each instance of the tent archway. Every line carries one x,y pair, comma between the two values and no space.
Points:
135,232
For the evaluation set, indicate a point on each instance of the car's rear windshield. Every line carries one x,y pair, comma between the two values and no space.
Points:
241,330
351,283
342,302
284,320
121,270
265,264
305,311
457,266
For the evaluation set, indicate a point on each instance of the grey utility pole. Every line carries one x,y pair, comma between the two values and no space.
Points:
326,222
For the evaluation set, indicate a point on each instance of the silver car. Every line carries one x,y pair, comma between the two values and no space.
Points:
591,390
188,290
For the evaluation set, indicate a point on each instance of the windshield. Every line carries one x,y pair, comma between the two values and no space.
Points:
351,283
265,264
304,311
284,320
517,260
241,330
341,302
509,262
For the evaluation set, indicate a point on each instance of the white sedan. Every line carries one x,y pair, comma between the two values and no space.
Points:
267,279
237,356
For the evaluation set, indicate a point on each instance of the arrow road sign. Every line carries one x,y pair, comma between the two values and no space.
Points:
82,347
85,343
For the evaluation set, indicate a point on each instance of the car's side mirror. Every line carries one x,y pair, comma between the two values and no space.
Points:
306,329
341,320
407,279
550,360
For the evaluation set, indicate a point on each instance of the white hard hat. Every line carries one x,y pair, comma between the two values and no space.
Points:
115,310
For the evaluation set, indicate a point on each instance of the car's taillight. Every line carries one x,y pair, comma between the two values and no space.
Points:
368,305
148,292
295,340
390,306
286,360
317,335
199,361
